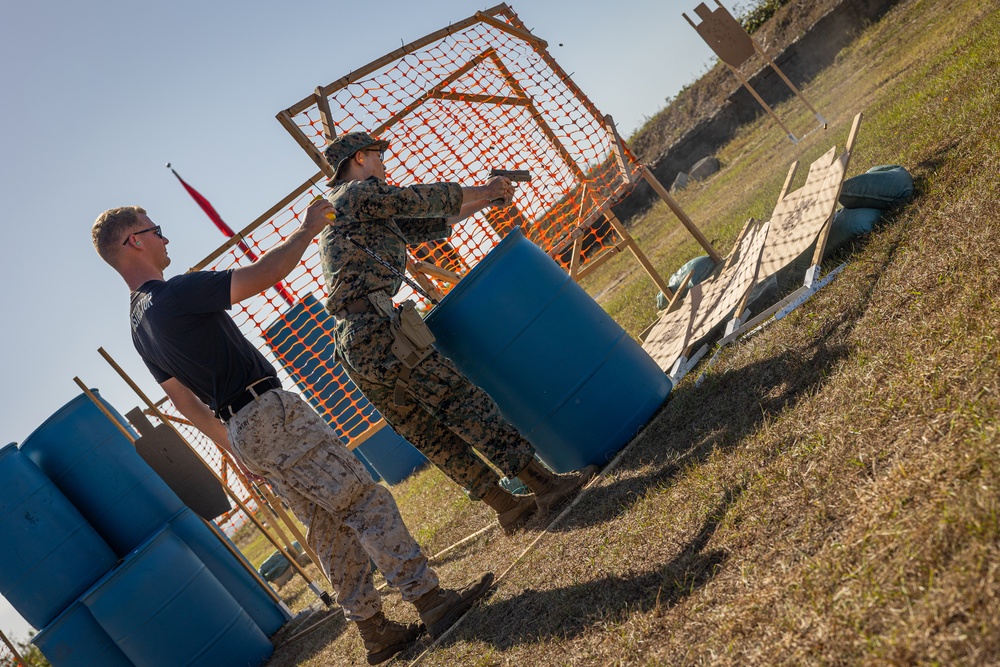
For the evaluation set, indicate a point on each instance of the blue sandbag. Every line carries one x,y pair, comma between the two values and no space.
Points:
702,267
882,187
848,223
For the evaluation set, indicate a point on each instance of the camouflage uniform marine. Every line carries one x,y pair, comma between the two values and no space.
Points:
448,415
282,438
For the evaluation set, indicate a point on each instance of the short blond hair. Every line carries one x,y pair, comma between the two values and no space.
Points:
109,230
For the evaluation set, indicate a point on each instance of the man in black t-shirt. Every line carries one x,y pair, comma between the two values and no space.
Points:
229,391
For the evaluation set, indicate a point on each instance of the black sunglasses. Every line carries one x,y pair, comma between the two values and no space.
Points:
155,229
380,151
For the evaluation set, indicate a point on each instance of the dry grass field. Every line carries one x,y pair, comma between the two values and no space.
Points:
829,493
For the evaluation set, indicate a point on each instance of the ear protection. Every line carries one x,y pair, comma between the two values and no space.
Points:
138,243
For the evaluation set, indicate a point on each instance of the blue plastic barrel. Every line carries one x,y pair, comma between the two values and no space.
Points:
220,561
75,639
395,458
98,469
560,369
49,554
302,338
163,608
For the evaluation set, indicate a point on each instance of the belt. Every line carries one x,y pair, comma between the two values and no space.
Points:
251,393
353,308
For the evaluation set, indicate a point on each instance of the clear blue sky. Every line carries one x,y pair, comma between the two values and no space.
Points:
99,95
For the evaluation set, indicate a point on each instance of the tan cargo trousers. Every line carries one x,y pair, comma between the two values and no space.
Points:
350,518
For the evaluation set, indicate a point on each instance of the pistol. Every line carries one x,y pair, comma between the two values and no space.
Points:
513,175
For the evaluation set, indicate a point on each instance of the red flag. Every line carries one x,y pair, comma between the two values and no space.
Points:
214,216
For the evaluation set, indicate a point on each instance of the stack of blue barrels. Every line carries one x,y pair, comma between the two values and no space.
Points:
103,556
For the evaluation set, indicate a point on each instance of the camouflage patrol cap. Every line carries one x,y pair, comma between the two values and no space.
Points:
346,145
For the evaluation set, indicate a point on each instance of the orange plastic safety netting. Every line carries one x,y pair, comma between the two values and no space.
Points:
484,94
290,325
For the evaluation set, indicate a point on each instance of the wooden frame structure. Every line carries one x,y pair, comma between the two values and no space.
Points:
595,203
735,46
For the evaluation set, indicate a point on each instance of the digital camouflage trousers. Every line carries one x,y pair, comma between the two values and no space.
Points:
447,417
349,517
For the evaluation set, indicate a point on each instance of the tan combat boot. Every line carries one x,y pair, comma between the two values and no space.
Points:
551,489
441,607
512,511
385,638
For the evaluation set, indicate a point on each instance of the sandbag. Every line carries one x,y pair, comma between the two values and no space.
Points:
882,187
848,223
702,267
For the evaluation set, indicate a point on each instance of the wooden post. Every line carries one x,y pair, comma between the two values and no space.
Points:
321,594
675,301
788,180
276,505
262,503
19,661
107,413
368,433
618,148
825,233
574,260
760,100
323,104
435,271
303,141
679,212
774,66
422,280
639,254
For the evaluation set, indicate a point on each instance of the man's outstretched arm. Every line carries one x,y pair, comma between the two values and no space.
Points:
279,261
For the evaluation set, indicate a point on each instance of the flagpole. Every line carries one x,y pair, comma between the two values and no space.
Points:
214,216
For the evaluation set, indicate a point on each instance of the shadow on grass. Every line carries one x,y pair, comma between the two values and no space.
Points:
733,404
535,616
320,631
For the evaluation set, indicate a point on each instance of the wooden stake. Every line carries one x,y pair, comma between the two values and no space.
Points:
596,263
435,271
825,233
102,408
268,511
788,180
322,595
574,260
303,141
774,66
639,255
19,661
675,301
278,507
760,100
422,280
679,212
368,433
618,148
323,104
